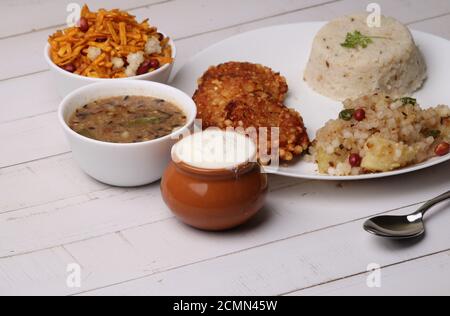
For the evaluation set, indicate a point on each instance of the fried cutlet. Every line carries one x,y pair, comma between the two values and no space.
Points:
250,111
221,84
248,95
255,78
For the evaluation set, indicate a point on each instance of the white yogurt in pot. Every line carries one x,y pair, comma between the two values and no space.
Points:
215,149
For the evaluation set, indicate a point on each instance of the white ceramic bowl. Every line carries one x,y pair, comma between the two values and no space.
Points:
66,82
124,165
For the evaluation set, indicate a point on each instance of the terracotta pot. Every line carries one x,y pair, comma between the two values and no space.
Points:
214,200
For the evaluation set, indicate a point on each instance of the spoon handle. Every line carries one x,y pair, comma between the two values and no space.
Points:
432,203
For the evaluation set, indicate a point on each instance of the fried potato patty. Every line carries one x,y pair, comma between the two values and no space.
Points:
255,78
250,111
221,84
247,95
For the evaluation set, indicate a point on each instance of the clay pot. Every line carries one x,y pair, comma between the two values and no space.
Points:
214,200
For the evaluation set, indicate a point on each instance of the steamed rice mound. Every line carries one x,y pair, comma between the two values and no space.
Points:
392,135
391,64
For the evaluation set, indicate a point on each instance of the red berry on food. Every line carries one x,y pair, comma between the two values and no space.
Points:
360,115
84,25
147,65
442,149
144,68
154,63
355,160
70,68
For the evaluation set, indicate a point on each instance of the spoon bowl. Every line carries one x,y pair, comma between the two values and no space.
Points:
402,227
395,227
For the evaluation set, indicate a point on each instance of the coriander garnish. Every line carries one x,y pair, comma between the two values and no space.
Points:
407,101
433,133
355,39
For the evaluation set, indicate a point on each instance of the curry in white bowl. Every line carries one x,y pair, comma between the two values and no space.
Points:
127,119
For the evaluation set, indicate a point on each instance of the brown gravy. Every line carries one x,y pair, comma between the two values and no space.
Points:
127,119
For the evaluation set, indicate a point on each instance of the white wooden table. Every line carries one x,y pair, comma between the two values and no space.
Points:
308,240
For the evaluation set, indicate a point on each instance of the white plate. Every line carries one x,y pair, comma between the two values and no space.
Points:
286,49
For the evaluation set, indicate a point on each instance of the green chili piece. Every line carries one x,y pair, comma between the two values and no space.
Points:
434,133
347,115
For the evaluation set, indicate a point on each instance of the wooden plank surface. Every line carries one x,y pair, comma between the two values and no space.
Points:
307,242
428,275
88,214
279,267
273,268
29,16
163,243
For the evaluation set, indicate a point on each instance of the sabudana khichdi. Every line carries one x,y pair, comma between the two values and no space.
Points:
379,134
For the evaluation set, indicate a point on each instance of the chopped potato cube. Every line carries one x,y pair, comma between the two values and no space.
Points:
446,129
385,155
323,160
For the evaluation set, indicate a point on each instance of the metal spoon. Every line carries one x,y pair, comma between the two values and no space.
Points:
403,227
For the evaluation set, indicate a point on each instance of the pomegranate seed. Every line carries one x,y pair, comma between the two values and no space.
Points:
70,68
360,115
84,25
355,160
442,149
